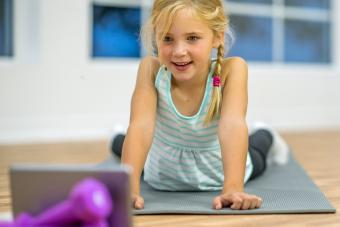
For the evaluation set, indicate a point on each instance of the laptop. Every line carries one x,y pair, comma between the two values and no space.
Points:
37,187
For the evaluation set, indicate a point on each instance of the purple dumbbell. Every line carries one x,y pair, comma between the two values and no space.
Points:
89,204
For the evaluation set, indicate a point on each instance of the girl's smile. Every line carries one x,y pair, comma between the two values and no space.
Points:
182,66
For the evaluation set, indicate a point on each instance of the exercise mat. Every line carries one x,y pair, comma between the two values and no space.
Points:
284,189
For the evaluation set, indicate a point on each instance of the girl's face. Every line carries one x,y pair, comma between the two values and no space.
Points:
186,47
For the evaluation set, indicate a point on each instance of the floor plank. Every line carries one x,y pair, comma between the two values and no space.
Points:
318,153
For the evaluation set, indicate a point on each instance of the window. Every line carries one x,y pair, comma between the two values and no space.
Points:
290,31
116,30
283,31
6,28
253,37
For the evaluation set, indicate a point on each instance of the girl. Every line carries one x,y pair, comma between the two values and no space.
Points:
187,126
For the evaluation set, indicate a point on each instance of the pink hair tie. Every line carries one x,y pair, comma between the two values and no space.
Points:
216,80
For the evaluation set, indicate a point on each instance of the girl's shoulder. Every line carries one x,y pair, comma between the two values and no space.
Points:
231,66
231,63
151,65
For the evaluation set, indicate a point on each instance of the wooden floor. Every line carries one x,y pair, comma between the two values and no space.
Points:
318,152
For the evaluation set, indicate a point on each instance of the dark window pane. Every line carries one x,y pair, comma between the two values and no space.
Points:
319,4
253,37
6,28
251,1
307,41
116,31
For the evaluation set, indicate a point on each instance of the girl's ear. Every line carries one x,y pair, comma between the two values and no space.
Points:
218,39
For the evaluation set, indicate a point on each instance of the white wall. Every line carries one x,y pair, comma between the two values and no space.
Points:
52,90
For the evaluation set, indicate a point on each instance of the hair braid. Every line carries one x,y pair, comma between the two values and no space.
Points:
216,99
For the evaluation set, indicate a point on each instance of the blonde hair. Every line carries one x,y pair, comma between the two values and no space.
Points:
212,12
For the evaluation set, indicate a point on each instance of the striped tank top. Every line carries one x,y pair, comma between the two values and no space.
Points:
185,155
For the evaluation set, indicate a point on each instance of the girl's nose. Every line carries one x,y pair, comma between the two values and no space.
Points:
180,49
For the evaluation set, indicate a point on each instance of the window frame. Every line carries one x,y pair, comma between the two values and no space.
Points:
278,12
8,36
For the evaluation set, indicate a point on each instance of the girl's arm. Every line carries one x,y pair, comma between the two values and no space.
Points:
141,127
232,130
233,136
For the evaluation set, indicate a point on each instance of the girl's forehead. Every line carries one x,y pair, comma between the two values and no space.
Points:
184,20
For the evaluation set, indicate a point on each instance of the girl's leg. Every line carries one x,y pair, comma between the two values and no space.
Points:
117,145
259,144
279,150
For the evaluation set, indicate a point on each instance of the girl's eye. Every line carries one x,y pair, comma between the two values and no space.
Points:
193,38
167,39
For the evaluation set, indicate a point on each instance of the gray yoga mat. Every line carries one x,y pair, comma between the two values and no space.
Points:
284,189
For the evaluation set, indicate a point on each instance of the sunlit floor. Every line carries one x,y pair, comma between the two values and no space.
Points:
318,153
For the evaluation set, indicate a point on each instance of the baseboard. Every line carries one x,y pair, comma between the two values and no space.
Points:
59,128
302,118
17,130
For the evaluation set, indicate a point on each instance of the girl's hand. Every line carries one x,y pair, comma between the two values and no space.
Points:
137,201
237,201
